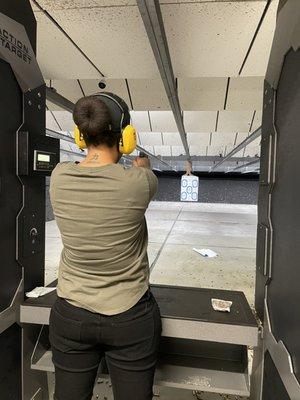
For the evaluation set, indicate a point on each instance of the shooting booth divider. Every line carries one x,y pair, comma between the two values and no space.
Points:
277,364
27,156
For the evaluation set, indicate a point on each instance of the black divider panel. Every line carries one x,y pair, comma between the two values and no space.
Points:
273,388
10,187
266,182
283,290
31,253
10,364
22,199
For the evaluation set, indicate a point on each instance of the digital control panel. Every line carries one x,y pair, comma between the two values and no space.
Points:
44,161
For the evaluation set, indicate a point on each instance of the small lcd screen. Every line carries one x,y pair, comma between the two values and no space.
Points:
43,157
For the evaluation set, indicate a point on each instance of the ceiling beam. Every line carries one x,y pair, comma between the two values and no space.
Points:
152,18
59,100
249,164
243,144
58,135
251,171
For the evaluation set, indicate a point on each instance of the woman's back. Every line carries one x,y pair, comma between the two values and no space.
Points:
100,213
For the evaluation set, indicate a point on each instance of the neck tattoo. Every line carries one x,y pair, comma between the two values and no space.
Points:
94,158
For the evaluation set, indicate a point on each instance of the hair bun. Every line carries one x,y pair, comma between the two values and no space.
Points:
93,119
92,116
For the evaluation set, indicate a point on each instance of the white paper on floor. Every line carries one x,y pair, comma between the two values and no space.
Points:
206,252
40,291
221,305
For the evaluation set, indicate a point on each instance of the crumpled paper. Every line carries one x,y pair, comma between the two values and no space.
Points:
221,305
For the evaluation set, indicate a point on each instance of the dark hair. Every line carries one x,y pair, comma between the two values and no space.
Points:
93,119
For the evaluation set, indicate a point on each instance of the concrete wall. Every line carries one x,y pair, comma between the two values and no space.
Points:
211,190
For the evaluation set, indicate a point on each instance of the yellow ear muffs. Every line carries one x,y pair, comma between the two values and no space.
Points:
79,138
128,140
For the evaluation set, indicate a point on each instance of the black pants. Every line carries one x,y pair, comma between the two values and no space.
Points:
129,342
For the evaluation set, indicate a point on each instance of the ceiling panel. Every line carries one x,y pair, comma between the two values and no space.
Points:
240,137
65,145
199,121
257,120
65,120
65,4
148,94
75,148
163,151
171,139
57,57
255,143
65,157
150,138
68,88
215,150
149,148
140,120
198,150
223,139
114,38
198,139
138,138
245,93
252,151
135,153
202,94
50,122
239,153
259,56
211,38
162,121
227,149
69,146
177,151
33,6
234,121
117,86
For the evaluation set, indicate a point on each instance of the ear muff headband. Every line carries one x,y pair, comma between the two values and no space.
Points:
128,140
124,110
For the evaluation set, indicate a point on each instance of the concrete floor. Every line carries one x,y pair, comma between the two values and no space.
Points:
174,230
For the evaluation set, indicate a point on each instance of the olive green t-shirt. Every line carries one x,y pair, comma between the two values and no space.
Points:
100,212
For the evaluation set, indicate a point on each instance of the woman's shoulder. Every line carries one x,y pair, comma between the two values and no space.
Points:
60,168
62,165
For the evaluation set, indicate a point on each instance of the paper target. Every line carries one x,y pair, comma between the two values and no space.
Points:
189,188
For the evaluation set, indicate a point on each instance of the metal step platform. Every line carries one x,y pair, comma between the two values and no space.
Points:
183,373
201,349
